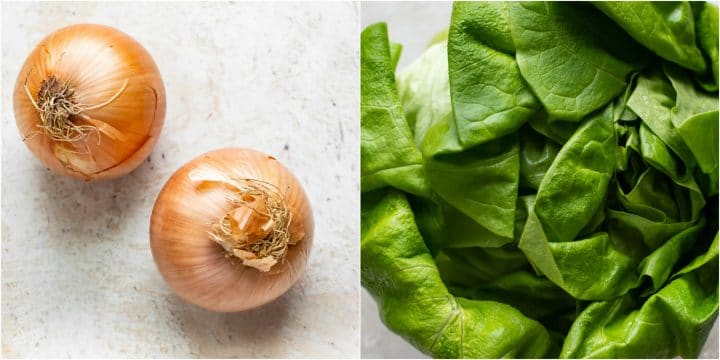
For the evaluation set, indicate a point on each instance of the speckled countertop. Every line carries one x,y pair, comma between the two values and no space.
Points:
78,278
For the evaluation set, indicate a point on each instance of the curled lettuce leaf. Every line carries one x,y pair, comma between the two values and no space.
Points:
401,274
624,327
424,90
666,28
388,155
706,31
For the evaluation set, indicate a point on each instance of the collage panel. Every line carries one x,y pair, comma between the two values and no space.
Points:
359,179
539,179
180,180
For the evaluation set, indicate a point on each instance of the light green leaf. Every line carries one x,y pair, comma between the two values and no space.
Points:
666,28
401,275
388,154
575,59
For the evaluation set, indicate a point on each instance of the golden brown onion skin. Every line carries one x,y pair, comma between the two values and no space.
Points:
96,60
196,267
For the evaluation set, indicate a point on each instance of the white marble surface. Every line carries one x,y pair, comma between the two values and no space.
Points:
78,278
413,24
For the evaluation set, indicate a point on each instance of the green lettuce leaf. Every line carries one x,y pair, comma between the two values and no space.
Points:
388,154
401,275
706,31
489,97
666,28
575,59
674,321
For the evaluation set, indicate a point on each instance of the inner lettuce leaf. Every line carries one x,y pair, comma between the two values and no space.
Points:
470,151
625,327
388,155
542,181
487,208
424,90
693,116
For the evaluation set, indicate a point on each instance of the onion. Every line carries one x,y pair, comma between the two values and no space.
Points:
89,102
231,230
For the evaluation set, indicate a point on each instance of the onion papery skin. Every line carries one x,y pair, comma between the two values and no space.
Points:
95,60
197,268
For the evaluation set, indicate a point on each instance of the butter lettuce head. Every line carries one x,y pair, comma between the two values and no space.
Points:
543,181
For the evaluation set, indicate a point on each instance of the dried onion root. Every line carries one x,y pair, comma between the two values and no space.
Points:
257,230
57,105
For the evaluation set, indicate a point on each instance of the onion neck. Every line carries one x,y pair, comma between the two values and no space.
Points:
256,229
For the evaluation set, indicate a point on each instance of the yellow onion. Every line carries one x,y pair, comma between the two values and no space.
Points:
231,230
89,102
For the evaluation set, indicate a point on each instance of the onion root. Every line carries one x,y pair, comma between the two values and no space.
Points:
57,105
257,229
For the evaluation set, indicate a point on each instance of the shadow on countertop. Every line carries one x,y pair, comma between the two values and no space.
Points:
94,212
255,333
